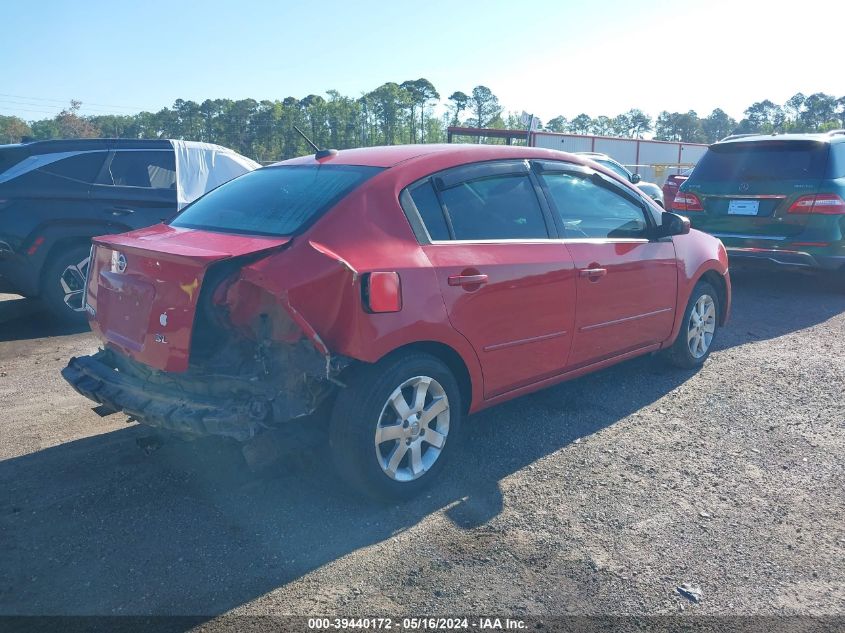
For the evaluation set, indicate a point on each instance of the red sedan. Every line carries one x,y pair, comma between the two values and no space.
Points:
672,184
398,289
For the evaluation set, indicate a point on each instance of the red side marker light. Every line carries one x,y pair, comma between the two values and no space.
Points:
382,292
34,247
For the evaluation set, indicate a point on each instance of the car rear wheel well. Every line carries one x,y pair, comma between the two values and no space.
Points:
718,282
59,247
450,358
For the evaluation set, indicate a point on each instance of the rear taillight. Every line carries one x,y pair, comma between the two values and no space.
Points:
381,292
819,203
686,201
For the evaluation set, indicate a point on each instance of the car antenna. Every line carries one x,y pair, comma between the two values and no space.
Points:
319,153
307,140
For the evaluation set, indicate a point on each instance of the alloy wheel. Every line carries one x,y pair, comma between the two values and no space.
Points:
701,326
72,281
412,428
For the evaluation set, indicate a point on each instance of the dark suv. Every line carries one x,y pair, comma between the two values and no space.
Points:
777,199
56,195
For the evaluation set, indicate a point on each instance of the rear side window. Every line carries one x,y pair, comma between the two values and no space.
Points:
425,199
150,170
273,200
497,208
763,160
590,210
837,161
82,167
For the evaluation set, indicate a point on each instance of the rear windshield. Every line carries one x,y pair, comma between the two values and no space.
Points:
273,200
9,157
770,160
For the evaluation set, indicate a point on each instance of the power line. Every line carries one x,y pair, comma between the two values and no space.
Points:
15,111
67,101
57,108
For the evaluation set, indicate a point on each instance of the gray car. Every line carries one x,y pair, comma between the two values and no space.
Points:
649,188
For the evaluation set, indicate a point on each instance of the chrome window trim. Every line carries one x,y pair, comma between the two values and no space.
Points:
746,196
742,236
573,240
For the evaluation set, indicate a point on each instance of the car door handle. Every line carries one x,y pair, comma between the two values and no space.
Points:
467,280
593,272
121,211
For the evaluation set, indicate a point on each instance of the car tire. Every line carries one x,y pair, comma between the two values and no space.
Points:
698,328
393,451
62,287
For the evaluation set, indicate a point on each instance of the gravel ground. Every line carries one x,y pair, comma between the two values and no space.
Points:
600,496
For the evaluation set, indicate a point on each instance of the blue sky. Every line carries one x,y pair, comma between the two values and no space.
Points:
545,57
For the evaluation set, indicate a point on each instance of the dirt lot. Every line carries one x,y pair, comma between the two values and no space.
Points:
598,496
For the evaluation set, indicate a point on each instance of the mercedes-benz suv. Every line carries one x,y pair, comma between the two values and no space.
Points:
775,199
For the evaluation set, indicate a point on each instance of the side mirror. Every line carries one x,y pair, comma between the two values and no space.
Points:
673,224
635,178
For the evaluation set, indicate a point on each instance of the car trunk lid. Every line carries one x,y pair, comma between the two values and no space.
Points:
675,180
760,211
143,287
746,188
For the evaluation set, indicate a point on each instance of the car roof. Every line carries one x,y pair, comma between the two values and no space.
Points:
64,145
88,144
835,136
594,154
598,157
392,155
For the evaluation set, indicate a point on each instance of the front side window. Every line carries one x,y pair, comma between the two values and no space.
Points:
273,200
502,207
591,210
150,170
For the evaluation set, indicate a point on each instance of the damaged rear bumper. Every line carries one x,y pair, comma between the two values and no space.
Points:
196,403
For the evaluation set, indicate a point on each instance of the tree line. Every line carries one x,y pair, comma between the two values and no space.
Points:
402,113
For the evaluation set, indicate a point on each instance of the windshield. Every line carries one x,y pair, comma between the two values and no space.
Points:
770,160
273,200
618,169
